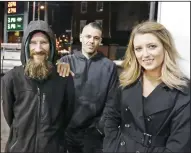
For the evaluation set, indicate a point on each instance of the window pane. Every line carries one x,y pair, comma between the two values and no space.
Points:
82,24
99,6
100,22
83,7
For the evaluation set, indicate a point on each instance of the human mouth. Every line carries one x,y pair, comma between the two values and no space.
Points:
148,61
91,48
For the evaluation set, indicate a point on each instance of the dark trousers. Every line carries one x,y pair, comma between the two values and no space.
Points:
90,141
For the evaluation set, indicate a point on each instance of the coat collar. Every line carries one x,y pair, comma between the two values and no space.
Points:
97,56
160,99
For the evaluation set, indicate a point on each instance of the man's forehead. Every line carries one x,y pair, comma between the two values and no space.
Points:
39,34
91,31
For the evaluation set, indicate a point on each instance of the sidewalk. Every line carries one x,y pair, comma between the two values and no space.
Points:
4,131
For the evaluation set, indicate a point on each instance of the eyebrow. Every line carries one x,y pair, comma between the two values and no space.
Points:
151,44
40,40
91,35
147,44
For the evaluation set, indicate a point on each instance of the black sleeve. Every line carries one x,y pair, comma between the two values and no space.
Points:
8,98
179,139
64,59
112,123
69,100
112,87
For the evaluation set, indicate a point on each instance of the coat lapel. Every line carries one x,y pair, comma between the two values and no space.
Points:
162,98
133,97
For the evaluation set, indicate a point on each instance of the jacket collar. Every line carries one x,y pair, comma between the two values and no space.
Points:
184,90
79,55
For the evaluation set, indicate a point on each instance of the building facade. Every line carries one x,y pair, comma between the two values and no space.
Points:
116,18
85,12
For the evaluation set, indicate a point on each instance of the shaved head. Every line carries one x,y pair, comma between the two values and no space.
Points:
94,25
91,39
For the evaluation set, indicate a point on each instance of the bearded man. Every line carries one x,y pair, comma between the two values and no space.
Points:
37,102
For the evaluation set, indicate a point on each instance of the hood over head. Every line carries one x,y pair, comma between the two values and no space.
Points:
33,27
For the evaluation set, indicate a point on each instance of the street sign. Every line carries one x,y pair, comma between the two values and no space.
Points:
15,7
15,22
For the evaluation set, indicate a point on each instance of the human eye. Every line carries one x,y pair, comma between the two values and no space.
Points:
88,36
32,42
138,49
152,46
44,42
97,38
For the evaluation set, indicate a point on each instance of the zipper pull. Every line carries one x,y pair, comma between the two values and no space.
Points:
43,97
38,90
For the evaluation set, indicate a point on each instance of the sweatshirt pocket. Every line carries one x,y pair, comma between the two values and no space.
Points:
84,113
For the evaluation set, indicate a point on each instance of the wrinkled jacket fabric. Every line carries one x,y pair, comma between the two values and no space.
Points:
95,84
163,126
37,112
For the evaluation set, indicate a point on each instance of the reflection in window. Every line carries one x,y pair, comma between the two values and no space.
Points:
99,6
82,24
84,6
100,22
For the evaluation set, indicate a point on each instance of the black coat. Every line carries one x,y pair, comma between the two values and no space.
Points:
37,112
164,128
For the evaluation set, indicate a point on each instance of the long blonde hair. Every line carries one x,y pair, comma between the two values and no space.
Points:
171,74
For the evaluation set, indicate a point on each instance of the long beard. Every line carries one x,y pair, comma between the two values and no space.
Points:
38,71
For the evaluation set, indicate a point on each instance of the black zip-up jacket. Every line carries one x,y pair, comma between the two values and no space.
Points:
37,112
95,84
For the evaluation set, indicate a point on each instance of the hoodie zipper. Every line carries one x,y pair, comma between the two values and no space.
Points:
88,63
43,107
15,141
37,119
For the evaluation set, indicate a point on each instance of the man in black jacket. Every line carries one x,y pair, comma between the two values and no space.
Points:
95,79
37,102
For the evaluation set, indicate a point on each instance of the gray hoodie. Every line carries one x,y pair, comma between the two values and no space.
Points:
33,27
36,112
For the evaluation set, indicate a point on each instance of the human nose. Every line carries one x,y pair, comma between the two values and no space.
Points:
145,52
38,47
91,40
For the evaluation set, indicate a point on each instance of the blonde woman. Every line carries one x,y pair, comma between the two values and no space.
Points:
151,112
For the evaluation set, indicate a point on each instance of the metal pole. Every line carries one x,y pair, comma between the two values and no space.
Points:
71,33
34,8
46,12
152,11
109,19
52,17
5,35
38,10
26,14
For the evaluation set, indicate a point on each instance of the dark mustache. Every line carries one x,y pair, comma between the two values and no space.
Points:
38,53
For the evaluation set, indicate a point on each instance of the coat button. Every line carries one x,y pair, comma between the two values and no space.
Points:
127,125
126,109
149,119
142,140
149,141
122,143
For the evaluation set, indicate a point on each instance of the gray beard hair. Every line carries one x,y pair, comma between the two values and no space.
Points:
39,71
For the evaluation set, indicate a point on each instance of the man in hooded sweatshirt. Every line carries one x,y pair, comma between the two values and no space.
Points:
95,80
37,102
